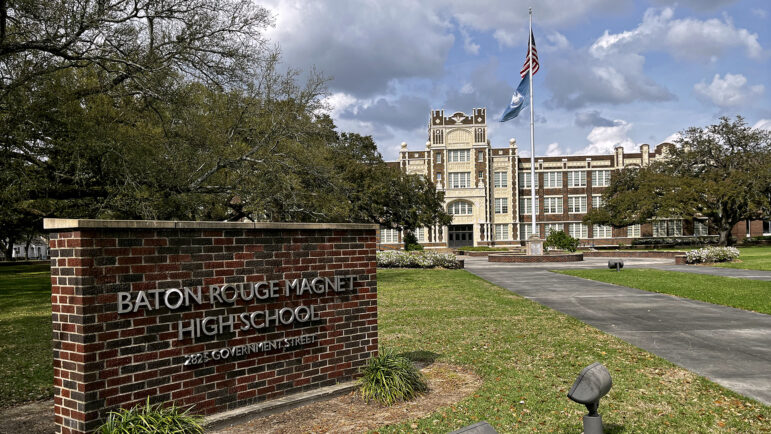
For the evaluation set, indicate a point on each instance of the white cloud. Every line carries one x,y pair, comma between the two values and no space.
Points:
730,91
603,140
763,124
682,38
554,150
468,44
338,102
555,41
362,46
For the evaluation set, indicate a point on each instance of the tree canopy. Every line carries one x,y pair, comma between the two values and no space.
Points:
176,110
721,172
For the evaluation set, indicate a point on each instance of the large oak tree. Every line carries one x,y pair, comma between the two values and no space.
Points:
174,109
721,172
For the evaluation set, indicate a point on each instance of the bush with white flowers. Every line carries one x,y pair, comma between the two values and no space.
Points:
415,259
711,254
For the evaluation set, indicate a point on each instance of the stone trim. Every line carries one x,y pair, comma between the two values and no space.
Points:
52,223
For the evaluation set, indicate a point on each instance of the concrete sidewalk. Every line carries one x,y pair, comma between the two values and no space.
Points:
729,346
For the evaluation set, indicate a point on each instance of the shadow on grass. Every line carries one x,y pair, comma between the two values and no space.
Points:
421,356
612,428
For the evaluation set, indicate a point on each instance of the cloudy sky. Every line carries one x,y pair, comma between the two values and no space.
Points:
613,72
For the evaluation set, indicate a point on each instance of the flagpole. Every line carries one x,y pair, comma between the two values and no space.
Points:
532,126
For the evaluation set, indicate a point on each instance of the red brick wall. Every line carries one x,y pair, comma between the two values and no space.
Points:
104,360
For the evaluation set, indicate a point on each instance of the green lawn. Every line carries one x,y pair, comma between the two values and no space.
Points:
528,356
531,354
26,370
751,258
740,293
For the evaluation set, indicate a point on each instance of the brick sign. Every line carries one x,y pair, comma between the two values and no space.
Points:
214,315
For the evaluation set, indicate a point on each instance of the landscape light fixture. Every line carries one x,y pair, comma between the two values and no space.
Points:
592,383
618,264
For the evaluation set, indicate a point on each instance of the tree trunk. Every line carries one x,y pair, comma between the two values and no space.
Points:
725,237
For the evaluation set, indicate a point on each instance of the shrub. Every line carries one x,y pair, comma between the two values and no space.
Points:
413,247
151,419
410,240
561,240
711,254
389,378
420,259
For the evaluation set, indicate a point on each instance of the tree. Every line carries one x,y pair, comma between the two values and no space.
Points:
721,172
174,110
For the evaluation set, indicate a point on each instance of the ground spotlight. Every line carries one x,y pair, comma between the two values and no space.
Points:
618,264
592,383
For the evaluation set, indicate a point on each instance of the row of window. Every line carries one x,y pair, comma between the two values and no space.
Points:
601,178
576,178
661,228
552,205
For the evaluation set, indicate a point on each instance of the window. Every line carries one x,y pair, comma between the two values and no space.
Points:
460,179
479,135
458,155
552,180
438,158
501,205
577,178
525,231
633,231
700,228
524,205
601,178
602,231
459,207
438,137
552,227
480,156
501,179
576,204
480,175
420,234
438,177
389,236
524,180
766,227
552,205
667,228
578,230
597,201
501,232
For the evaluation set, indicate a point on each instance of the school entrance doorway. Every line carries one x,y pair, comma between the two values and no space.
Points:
461,235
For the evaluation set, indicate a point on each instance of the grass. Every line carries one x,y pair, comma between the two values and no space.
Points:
740,293
26,358
751,258
529,356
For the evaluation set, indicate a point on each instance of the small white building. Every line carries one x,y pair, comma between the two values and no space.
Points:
38,249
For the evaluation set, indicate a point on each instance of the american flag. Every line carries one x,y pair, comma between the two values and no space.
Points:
534,53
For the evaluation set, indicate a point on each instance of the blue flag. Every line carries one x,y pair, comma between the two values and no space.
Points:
518,100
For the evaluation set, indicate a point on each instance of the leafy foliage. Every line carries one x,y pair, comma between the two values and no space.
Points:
415,259
712,254
561,240
177,110
152,419
721,172
389,378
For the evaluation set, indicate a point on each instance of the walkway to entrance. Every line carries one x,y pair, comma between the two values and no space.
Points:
729,346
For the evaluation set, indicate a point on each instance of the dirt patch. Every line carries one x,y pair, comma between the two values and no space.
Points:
447,384
33,418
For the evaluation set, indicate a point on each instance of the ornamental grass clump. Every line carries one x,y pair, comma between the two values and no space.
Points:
152,419
415,259
389,378
711,254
